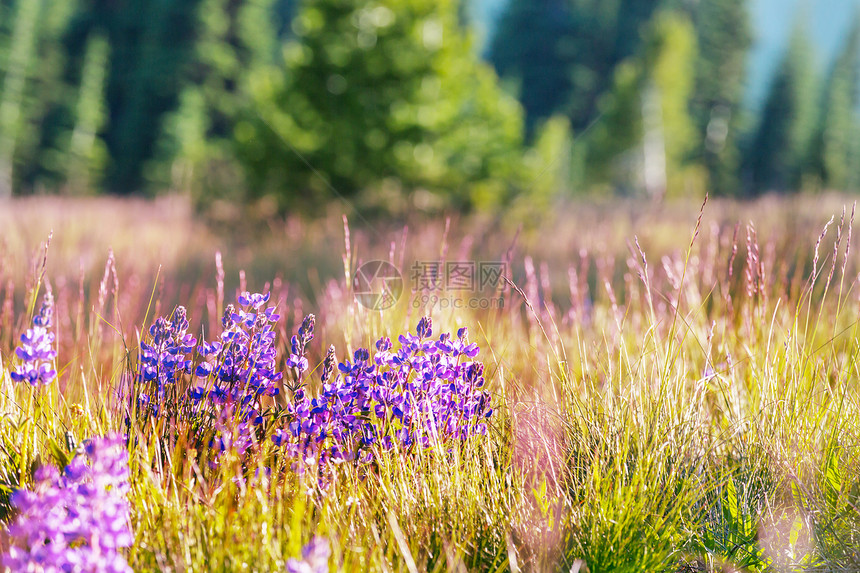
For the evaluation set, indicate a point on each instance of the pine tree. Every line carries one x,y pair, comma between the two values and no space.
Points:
670,64
21,49
607,33
390,91
836,144
780,155
151,43
33,58
534,45
646,133
613,151
234,41
86,153
724,38
563,53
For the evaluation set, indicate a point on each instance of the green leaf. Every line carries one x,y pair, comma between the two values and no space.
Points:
797,495
832,479
793,537
730,502
60,455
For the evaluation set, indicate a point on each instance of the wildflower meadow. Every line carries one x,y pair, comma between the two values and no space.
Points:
621,388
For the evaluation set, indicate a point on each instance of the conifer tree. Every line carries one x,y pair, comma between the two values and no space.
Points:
534,45
234,41
670,53
780,154
724,38
150,43
646,134
836,144
562,54
33,60
86,153
390,91
21,50
607,32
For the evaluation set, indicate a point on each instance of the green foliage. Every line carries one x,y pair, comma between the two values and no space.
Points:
386,103
780,153
615,144
148,54
646,133
562,54
607,33
730,529
21,47
384,91
535,46
550,161
836,149
198,146
670,54
639,496
83,157
31,67
724,38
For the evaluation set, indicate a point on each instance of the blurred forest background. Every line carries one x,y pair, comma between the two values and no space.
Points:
426,104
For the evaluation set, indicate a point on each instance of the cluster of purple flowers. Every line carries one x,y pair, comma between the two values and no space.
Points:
424,393
77,521
228,376
237,371
36,350
241,366
165,358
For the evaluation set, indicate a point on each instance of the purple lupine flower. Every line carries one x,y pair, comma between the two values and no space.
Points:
328,364
77,521
425,327
306,330
241,366
315,556
235,373
232,373
299,344
164,356
424,393
36,351
255,300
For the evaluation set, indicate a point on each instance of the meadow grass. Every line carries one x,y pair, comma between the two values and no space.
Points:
674,389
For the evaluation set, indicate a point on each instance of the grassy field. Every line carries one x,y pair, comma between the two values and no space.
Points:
668,388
